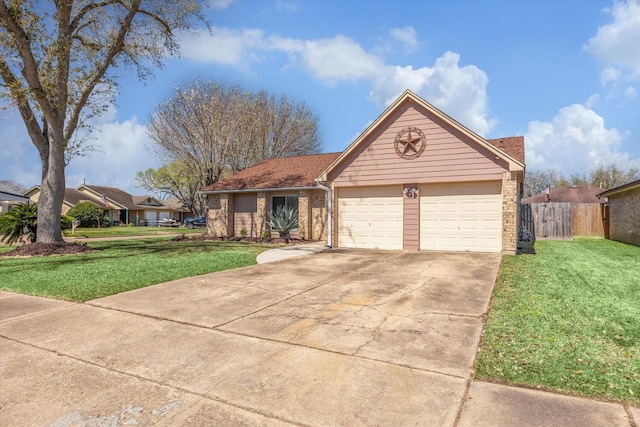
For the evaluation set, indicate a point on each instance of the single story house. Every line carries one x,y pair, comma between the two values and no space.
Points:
624,212
415,179
7,200
118,205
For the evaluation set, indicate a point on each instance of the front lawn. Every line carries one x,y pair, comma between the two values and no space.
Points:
567,319
128,231
122,265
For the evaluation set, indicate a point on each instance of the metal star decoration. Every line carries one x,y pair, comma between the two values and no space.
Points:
410,143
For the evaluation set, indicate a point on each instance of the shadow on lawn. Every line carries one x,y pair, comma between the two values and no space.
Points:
113,250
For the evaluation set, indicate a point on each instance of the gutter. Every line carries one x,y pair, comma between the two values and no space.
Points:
329,200
259,190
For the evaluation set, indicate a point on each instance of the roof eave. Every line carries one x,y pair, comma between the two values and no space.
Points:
626,187
256,190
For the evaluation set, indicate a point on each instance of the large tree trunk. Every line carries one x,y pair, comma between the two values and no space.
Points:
51,195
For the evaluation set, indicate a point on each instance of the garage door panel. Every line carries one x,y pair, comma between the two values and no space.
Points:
461,217
370,217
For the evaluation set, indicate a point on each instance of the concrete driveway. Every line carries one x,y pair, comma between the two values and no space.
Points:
342,337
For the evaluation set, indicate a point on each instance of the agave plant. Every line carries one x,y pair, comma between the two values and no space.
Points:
21,220
283,220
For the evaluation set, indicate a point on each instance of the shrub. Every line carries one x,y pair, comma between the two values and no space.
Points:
283,220
65,222
21,220
88,214
243,232
266,234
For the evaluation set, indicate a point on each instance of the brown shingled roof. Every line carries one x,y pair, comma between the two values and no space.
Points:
583,194
512,145
281,172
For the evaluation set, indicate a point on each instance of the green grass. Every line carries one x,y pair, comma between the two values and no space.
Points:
129,231
567,319
121,265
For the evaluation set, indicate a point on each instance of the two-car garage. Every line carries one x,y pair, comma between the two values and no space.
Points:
464,216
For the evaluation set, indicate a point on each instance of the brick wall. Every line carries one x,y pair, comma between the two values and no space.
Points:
219,215
509,212
318,205
624,217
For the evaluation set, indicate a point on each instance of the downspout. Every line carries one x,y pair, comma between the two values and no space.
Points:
329,214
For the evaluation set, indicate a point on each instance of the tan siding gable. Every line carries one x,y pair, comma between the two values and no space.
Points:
449,156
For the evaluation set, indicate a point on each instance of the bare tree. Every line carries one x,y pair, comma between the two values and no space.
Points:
612,175
175,179
12,187
535,182
58,62
220,129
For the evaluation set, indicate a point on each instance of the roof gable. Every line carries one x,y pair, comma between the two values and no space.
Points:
279,172
394,111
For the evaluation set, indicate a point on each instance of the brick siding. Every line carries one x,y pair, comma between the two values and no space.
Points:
509,212
624,217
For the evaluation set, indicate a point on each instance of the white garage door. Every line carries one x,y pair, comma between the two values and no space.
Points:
461,217
370,217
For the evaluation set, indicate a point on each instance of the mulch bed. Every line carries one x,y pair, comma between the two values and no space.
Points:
47,249
271,241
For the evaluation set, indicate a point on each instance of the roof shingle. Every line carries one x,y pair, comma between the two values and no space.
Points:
583,194
280,172
512,145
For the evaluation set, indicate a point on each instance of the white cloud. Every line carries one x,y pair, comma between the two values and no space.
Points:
575,140
223,46
458,91
339,59
20,159
630,93
407,36
286,6
609,75
124,153
617,43
220,4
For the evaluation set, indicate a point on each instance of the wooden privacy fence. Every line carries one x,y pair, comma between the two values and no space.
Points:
563,220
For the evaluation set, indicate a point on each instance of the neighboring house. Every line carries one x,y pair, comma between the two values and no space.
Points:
118,205
414,179
565,212
179,211
7,200
624,212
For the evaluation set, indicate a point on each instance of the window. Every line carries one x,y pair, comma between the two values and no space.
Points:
290,202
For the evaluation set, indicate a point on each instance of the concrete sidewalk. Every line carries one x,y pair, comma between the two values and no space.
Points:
286,252
345,338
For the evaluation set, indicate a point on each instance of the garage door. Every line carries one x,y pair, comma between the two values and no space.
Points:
461,217
370,217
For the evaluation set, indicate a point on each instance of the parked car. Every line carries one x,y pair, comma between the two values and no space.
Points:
191,222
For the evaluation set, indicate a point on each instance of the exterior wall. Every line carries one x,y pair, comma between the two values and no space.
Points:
304,214
229,213
219,215
245,208
318,214
510,217
262,211
624,217
411,218
448,156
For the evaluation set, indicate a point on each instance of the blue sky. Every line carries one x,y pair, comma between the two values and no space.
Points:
565,74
